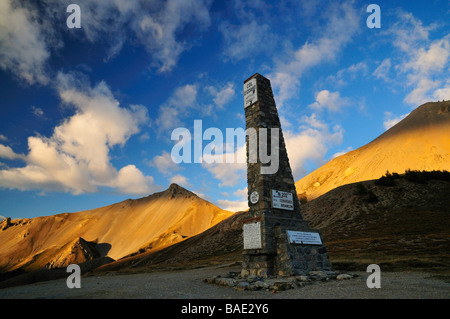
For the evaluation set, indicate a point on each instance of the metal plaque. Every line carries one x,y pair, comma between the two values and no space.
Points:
252,236
307,238
282,200
250,93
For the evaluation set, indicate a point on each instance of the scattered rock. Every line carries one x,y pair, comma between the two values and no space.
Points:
344,277
242,285
274,283
225,281
302,278
5,223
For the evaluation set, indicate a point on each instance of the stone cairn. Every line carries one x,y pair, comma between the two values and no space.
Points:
280,250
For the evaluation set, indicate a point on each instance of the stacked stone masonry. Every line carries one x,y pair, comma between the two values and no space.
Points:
277,255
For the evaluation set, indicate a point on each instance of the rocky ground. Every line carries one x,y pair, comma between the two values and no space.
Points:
193,284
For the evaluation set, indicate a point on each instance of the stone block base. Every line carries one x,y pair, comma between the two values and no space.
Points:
286,259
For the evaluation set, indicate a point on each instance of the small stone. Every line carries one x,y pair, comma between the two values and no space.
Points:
302,278
318,273
243,285
260,284
344,277
225,281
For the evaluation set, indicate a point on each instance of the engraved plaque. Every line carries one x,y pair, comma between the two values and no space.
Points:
307,238
252,236
282,200
250,93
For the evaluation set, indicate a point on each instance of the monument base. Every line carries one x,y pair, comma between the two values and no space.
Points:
284,253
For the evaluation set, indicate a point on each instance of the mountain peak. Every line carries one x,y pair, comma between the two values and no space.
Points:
421,141
176,190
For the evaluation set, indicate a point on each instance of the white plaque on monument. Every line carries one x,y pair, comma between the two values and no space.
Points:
250,93
254,197
307,238
282,200
252,236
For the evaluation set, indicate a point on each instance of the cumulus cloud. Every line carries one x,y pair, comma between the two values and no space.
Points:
23,49
76,158
230,173
8,153
332,101
164,163
310,144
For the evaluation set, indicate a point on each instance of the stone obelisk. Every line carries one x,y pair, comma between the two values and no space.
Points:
277,240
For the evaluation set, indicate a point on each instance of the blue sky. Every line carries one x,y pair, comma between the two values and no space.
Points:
86,114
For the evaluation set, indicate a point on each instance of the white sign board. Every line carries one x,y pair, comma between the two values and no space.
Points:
252,236
299,237
250,93
282,200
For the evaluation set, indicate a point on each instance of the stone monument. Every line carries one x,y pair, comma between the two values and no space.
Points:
277,240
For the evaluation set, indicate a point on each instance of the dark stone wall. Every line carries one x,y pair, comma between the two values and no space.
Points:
277,256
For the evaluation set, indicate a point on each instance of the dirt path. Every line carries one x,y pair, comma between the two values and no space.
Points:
188,284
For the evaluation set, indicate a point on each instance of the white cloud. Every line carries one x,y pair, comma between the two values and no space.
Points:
348,149
130,180
29,31
221,96
442,93
156,25
342,24
181,180
382,71
310,144
390,120
76,157
332,101
164,163
243,40
240,204
423,61
189,98
37,111
177,107
233,205
23,50
8,153
229,174
342,76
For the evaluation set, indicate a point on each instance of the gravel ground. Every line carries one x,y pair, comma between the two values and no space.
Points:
188,284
